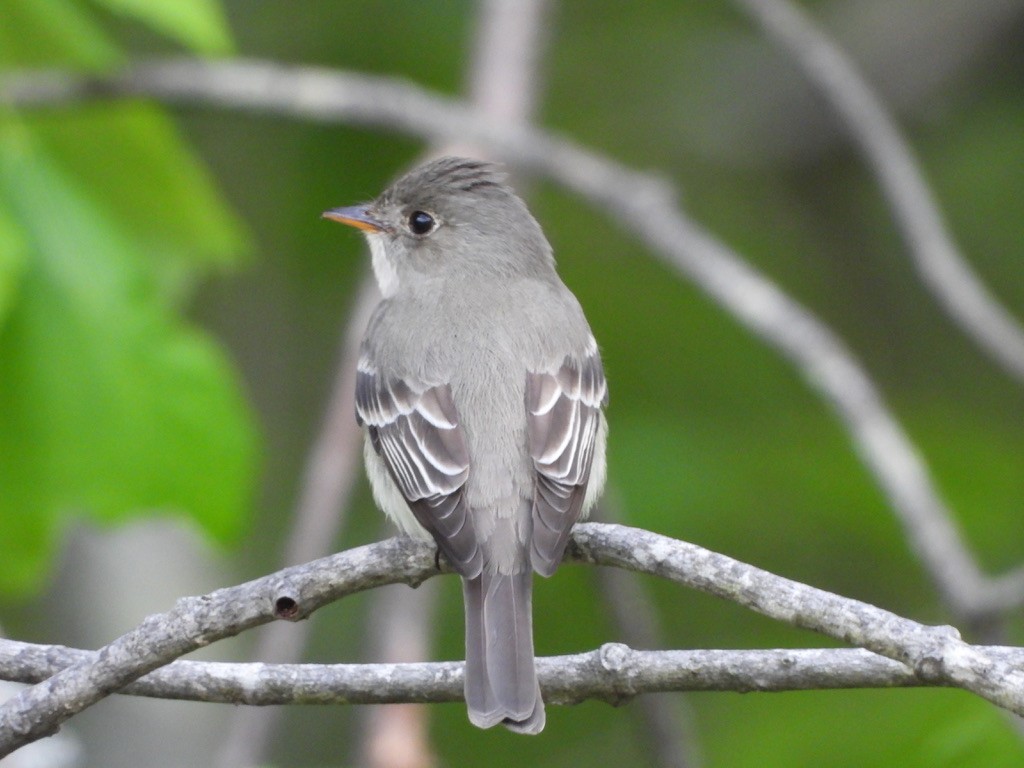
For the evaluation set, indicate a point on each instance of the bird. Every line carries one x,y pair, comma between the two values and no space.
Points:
481,392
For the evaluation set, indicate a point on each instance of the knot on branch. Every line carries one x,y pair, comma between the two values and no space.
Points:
931,667
614,657
618,663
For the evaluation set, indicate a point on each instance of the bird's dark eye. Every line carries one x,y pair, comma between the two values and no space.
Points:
421,222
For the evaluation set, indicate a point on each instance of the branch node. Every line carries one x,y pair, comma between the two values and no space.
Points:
614,656
931,668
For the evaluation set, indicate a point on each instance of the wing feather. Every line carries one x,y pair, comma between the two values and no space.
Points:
415,429
564,414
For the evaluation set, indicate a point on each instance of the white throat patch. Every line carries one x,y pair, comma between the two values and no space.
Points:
383,269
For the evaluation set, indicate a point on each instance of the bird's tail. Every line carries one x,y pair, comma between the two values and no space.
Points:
501,680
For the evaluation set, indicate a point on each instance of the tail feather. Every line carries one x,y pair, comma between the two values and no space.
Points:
501,679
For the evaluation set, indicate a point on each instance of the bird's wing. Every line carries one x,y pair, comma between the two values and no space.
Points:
415,429
563,413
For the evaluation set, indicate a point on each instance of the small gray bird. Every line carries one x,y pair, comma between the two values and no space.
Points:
480,389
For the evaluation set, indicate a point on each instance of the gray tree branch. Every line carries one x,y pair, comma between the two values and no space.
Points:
643,204
614,673
198,621
935,255
934,655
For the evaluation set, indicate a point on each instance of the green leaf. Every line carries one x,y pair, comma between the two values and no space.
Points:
133,163
198,24
52,33
108,404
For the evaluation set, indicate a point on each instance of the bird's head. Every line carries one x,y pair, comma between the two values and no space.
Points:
451,217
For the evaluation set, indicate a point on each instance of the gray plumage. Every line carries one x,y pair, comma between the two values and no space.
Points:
481,390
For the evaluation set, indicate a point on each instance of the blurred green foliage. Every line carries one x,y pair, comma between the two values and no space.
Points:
111,402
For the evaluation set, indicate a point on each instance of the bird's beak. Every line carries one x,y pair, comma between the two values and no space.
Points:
357,216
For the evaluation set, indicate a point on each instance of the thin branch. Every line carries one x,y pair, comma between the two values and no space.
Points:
613,673
936,655
643,205
938,261
333,464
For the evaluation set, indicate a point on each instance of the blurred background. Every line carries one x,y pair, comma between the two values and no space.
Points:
172,312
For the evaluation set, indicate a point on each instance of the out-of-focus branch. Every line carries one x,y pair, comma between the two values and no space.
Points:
665,723
504,74
333,463
320,513
938,261
936,655
400,630
642,204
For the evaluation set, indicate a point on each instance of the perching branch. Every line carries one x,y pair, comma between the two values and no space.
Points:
642,204
198,621
942,268
613,673
935,655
